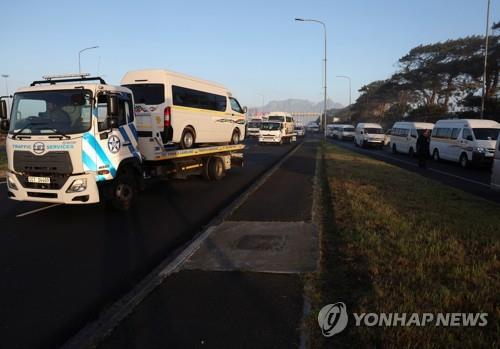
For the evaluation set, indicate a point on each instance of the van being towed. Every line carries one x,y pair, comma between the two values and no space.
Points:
184,110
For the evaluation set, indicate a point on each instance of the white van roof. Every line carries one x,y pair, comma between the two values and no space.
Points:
472,123
368,125
278,113
162,75
418,125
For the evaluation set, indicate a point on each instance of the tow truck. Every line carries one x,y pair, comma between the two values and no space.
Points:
72,139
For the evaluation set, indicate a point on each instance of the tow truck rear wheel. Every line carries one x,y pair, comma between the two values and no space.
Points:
123,192
214,169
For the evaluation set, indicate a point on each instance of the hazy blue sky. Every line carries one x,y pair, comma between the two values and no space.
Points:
253,47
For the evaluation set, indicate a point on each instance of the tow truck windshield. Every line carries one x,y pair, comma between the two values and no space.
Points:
59,112
270,126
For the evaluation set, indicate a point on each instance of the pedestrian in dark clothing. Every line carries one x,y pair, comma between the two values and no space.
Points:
423,142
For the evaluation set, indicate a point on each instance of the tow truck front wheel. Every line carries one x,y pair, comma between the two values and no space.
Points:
123,192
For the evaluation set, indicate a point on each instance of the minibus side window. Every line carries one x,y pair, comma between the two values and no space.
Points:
455,133
466,133
414,133
235,106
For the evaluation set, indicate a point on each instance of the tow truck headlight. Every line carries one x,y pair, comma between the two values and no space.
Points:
77,186
11,184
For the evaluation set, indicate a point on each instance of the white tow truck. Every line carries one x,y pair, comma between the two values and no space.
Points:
73,140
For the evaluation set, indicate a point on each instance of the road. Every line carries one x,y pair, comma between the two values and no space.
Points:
61,266
473,180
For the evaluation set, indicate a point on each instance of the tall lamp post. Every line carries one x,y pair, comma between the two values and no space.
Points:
324,106
348,78
6,76
80,53
485,58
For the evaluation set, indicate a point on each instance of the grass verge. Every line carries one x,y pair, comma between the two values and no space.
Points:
396,242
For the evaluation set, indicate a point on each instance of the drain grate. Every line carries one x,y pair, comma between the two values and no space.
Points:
261,243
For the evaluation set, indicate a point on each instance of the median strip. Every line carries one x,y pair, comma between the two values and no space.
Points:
394,242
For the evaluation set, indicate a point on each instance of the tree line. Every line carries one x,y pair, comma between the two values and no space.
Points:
435,81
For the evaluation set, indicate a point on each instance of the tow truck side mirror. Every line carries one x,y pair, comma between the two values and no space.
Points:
112,106
3,109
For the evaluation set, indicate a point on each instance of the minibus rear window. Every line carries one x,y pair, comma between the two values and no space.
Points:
151,94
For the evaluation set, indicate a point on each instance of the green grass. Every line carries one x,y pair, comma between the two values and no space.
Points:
394,241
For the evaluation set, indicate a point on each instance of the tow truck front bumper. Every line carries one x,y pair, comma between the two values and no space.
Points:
87,195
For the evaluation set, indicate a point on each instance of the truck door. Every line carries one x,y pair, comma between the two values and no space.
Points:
116,144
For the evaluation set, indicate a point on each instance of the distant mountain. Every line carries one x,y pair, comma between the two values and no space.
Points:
296,106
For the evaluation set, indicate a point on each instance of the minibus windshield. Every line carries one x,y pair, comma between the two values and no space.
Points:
254,124
374,131
270,126
348,129
486,134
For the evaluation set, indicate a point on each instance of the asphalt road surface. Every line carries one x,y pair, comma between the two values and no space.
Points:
61,266
475,180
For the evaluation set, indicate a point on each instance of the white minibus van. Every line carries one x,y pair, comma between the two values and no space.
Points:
285,118
342,132
369,134
465,141
404,136
184,110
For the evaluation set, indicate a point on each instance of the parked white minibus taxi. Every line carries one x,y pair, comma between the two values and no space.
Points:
404,136
369,134
343,132
465,141
184,110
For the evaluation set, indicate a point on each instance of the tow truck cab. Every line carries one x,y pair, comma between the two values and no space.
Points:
72,140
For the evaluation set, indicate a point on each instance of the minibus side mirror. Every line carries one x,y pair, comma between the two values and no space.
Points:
3,109
245,109
112,105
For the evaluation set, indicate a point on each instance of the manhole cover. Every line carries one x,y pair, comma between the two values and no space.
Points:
261,243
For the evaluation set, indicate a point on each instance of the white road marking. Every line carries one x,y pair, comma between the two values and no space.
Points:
37,210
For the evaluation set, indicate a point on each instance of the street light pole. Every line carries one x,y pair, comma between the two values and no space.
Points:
79,54
348,78
485,57
324,106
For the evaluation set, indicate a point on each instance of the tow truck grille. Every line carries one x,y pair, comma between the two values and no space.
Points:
56,165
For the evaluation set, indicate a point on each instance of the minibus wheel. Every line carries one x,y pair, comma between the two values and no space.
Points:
464,161
435,155
187,138
235,137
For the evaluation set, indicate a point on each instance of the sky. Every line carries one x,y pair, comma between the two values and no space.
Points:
255,48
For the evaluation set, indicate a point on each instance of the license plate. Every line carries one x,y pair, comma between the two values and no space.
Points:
40,180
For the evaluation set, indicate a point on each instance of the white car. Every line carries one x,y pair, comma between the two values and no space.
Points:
313,128
300,131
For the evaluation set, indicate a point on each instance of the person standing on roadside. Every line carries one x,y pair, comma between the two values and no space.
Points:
423,142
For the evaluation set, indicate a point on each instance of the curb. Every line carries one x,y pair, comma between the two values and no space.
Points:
94,333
